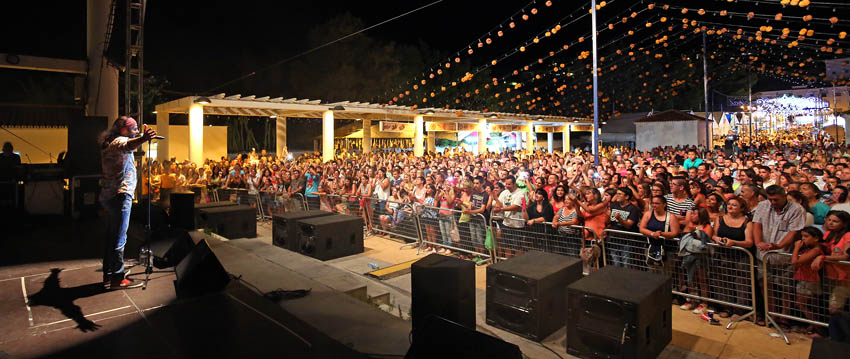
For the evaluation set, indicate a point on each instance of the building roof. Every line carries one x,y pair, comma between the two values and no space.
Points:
238,105
670,116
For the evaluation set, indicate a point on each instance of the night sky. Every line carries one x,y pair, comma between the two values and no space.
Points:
198,45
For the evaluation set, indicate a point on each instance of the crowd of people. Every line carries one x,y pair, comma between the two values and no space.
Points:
786,191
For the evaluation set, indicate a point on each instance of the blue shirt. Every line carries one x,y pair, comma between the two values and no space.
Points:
695,163
311,185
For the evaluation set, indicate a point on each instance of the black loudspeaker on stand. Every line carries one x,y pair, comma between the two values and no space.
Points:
527,294
200,272
329,237
285,230
619,313
182,211
443,286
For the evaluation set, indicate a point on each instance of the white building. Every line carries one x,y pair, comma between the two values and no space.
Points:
669,128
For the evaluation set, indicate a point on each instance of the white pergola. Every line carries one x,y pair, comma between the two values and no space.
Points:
280,109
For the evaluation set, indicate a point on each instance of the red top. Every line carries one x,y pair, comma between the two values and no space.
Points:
837,271
805,271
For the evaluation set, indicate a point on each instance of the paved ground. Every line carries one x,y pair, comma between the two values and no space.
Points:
52,264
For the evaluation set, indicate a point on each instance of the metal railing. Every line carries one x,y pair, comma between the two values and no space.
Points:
813,300
242,197
453,230
723,275
274,203
563,240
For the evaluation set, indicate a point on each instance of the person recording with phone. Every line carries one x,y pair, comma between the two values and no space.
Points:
116,195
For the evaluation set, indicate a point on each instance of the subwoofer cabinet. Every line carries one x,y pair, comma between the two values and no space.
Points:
231,222
329,237
619,313
285,230
527,294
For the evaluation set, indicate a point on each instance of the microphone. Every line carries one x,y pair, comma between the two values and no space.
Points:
158,137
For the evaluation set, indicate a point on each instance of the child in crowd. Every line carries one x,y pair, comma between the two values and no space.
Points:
807,280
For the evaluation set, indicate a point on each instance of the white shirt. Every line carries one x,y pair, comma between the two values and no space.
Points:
514,219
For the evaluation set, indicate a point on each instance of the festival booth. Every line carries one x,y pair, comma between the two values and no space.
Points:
669,128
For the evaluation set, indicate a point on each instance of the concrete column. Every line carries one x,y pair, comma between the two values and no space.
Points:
432,141
280,136
367,136
550,137
327,136
530,136
102,89
418,123
483,133
196,134
566,137
162,127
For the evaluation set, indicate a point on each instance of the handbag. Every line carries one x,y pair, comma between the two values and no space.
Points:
589,256
454,233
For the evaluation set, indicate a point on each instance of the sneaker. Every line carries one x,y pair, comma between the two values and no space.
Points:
699,309
687,306
121,284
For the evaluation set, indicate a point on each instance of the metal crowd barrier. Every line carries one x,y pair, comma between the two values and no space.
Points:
725,277
274,203
811,299
394,219
242,197
311,202
436,225
564,240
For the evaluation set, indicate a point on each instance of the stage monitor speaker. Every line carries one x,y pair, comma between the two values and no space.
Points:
527,294
285,230
437,337
619,313
170,246
824,348
443,286
329,237
231,222
83,156
159,216
182,211
200,272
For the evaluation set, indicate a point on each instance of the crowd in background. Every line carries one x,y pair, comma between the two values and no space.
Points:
785,191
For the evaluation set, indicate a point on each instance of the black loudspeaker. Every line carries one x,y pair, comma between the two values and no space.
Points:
83,156
182,211
231,222
445,287
619,313
285,230
199,223
823,348
170,246
329,237
437,337
527,294
200,272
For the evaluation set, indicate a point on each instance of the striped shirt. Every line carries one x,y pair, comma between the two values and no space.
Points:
678,208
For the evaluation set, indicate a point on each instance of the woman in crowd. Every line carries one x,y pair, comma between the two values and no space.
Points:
735,229
559,198
836,248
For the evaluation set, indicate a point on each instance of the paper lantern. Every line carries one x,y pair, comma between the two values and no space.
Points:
548,3
684,10
534,11
833,20
525,16
778,17
511,25
469,51
488,41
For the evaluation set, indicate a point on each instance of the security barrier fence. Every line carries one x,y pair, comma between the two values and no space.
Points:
801,293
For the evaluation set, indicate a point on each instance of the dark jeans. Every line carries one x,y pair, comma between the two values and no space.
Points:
117,219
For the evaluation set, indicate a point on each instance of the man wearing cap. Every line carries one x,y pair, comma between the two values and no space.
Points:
116,195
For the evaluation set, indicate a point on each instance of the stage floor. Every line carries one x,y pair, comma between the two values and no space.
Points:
68,315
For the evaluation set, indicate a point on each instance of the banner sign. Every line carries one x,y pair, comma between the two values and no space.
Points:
582,128
467,127
507,128
548,129
387,126
440,126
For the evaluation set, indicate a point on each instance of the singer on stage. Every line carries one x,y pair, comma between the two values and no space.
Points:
116,196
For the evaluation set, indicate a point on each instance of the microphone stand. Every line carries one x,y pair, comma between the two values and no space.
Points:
146,252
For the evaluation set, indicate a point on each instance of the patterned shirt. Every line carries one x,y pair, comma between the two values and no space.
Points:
775,226
119,169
